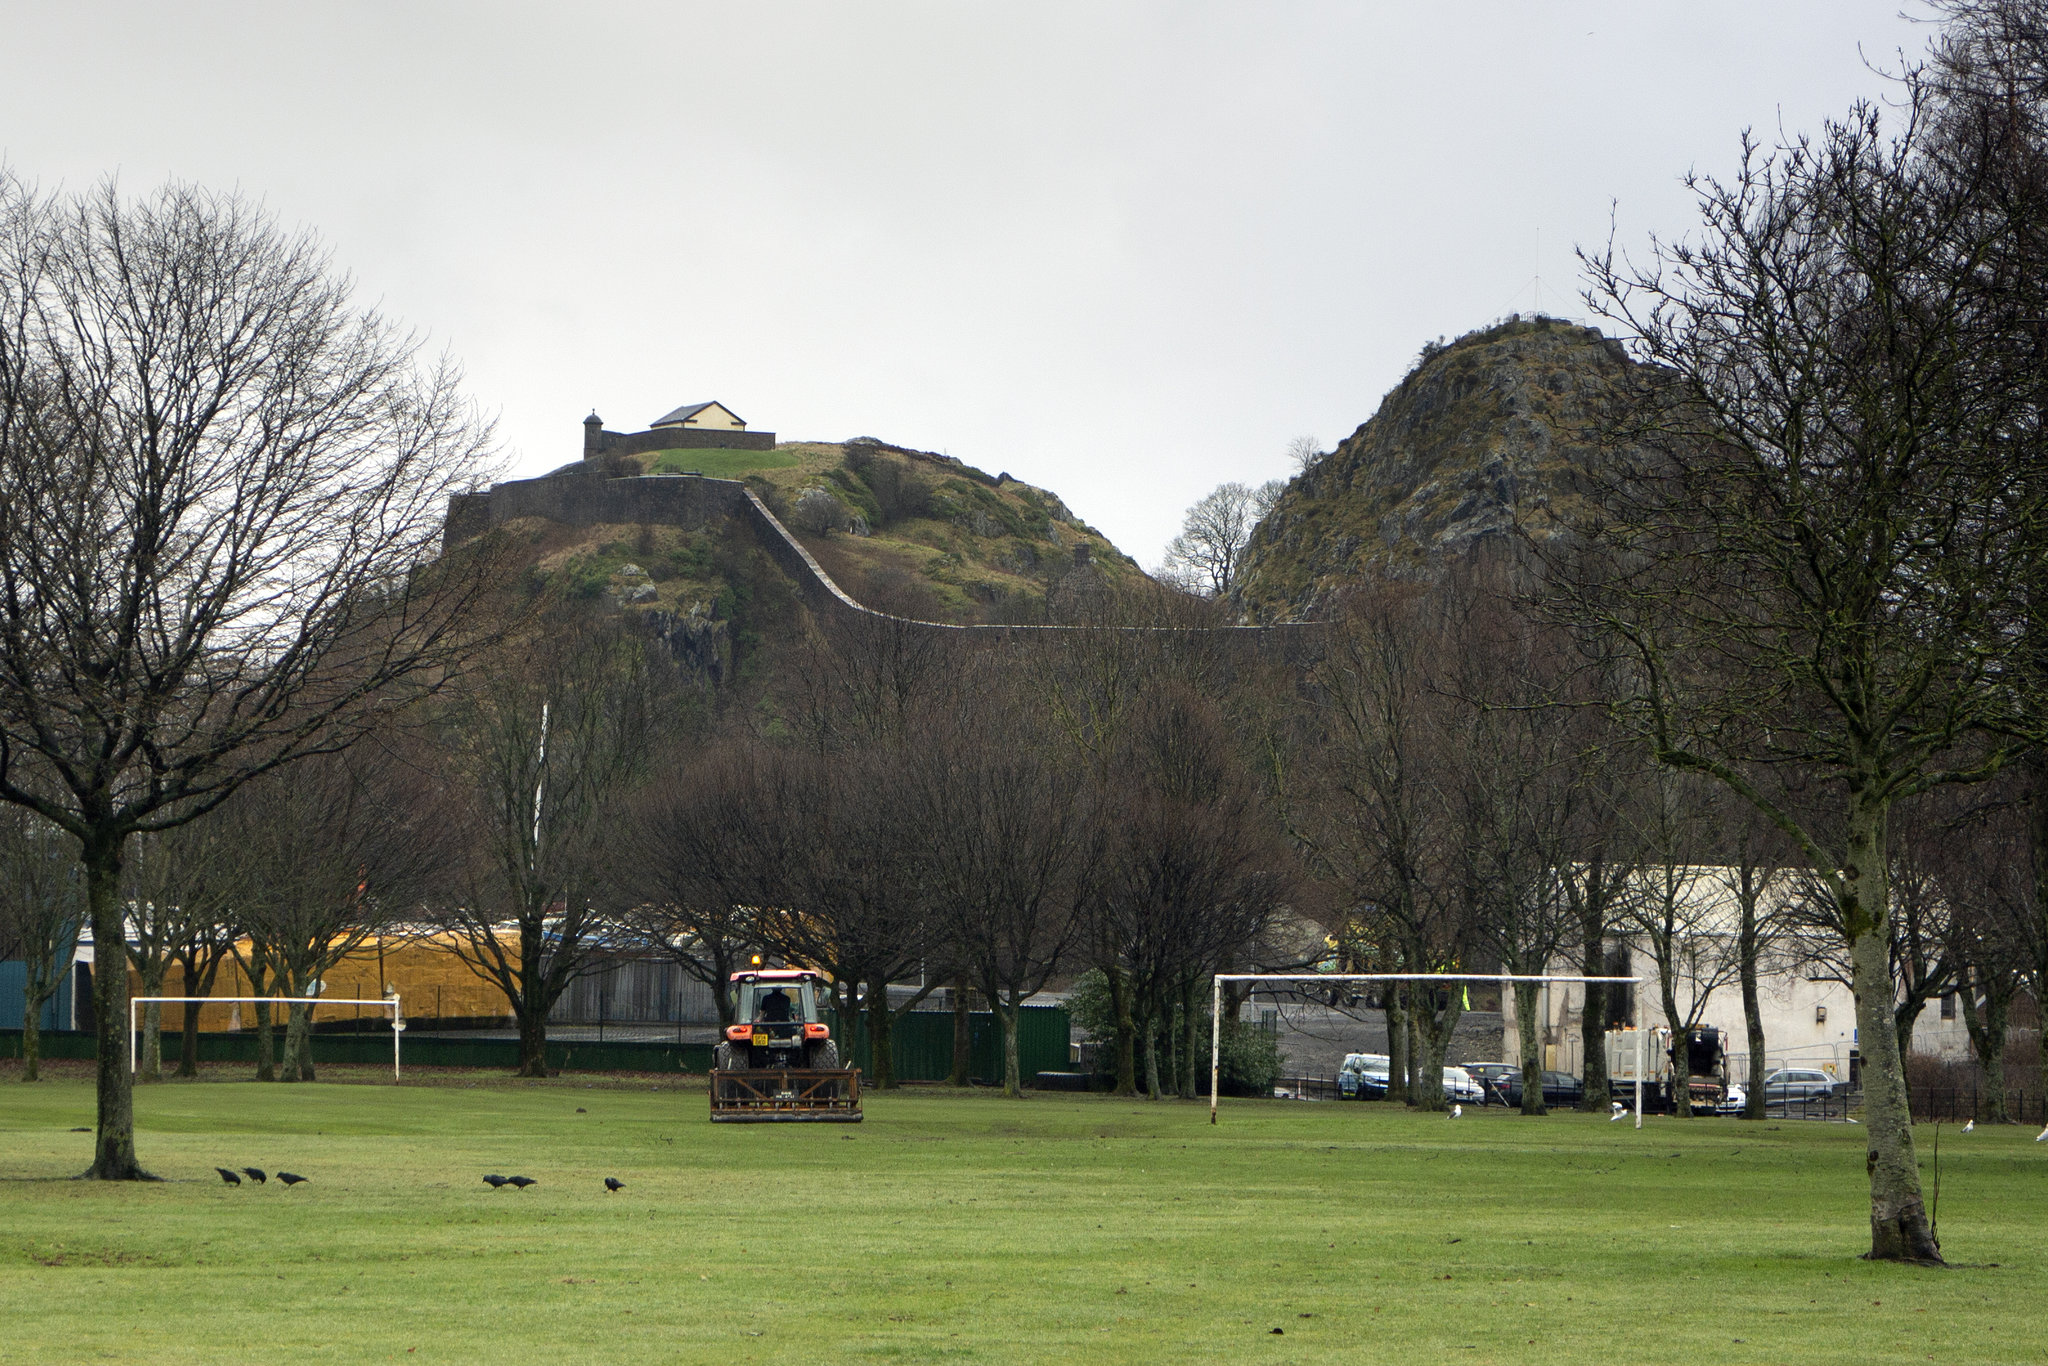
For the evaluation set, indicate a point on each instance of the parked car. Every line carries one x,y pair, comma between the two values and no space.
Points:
1732,1103
1491,1076
1799,1085
1561,1089
1459,1086
1363,1076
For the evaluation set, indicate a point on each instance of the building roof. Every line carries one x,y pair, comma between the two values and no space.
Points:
690,410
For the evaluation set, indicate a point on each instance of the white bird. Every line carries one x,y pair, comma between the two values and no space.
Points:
1969,1126
1616,1106
2041,1137
1457,1111
1852,1120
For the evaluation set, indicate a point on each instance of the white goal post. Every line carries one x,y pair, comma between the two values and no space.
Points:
389,1003
1330,978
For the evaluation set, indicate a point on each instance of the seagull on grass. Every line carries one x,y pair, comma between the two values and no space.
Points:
256,1174
1457,1111
1969,1125
228,1176
1619,1113
290,1178
2041,1137
612,1183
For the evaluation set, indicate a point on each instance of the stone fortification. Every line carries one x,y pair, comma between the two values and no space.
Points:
597,441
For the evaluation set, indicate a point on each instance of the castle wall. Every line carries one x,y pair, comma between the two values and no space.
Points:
598,442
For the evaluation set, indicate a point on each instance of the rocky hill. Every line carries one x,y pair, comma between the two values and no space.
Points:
1484,433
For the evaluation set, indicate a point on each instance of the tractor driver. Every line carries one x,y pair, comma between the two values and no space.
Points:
775,1007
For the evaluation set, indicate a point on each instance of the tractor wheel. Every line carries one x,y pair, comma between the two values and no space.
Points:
727,1058
824,1057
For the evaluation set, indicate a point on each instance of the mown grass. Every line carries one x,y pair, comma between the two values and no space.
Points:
714,462
963,1227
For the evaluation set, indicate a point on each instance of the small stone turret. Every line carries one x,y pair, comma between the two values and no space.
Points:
593,435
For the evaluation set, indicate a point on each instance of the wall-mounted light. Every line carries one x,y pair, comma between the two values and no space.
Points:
1820,1015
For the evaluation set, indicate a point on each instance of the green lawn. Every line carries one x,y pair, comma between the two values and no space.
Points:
717,462
962,1227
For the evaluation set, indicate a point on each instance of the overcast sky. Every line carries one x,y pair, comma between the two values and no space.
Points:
1123,251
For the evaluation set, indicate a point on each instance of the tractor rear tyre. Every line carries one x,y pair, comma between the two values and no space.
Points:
728,1058
824,1057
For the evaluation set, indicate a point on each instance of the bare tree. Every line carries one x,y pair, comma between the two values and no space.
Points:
39,900
1204,557
541,751
331,856
1005,822
219,482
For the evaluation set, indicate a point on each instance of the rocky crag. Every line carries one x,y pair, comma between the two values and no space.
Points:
1486,435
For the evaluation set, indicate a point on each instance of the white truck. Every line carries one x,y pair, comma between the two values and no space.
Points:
1650,1054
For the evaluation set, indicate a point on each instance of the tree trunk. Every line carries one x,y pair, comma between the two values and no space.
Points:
298,1041
1987,1030
1752,1006
1397,1044
882,1063
1532,1053
1006,1016
31,1040
963,1035
114,1146
1436,1025
533,1042
207,966
1152,1025
150,1066
1681,1053
1593,1010
1898,1218
266,1043
1126,1031
1190,1035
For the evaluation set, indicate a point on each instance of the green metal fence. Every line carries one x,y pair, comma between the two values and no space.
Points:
375,1049
921,1044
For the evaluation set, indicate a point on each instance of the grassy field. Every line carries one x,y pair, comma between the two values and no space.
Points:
962,1227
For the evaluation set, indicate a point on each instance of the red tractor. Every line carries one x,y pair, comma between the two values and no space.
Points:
779,1062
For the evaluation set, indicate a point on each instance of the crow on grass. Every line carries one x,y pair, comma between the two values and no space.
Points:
290,1178
522,1181
256,1174
496,1182
612,1183
228,1176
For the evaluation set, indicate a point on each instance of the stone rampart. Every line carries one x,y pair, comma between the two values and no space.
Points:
597,441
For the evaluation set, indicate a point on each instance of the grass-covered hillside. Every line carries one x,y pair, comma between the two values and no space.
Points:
900,530
1484,434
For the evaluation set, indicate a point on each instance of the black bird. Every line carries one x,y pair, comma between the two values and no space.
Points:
612,1183
522,1181
228,1176
290,1178
496,1181
256,1174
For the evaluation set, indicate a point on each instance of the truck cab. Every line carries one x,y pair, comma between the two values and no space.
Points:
778,1022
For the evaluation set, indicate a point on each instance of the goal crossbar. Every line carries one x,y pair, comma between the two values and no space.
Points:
1327,978
389,1003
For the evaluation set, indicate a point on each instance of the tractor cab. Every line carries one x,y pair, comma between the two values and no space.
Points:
778,1020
